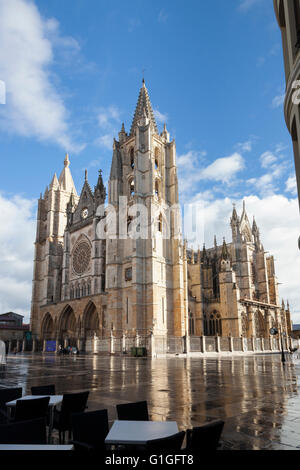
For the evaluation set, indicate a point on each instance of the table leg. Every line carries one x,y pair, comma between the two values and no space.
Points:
50,424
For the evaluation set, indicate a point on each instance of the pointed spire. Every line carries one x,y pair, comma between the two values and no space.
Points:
215,242
254,225
225,254
287,305
143,108
100,191
234,213
54,183
65,180
282,305
85,175
67,161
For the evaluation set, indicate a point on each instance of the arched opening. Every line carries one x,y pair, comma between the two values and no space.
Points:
47,327
156,159
212,324
90,321
160,223
131,156
191,323
260,326
157,188
68,327
131,187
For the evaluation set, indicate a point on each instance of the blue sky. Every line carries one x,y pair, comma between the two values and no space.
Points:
214,71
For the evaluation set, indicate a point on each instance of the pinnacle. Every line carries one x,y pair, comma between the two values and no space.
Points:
143,108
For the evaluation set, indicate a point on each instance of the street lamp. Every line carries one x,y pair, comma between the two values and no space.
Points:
274,331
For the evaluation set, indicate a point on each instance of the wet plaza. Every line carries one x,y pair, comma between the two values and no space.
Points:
257,396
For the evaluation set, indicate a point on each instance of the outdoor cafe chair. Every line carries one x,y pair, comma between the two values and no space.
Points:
71,403
6,395
89,431
43,390
137,411
170,444
204,438
24,432
31,409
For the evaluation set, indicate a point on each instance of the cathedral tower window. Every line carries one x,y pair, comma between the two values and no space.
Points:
131,158
157,188
131,187
159,223
191,324
156,159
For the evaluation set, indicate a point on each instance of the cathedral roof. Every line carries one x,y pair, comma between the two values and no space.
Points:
143,107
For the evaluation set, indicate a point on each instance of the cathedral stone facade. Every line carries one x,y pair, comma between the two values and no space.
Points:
122,270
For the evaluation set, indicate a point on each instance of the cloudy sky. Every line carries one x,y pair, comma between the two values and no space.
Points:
214,70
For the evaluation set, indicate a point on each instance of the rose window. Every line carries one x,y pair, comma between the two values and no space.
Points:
81,257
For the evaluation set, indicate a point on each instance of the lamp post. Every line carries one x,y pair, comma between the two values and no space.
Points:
275,331
282,351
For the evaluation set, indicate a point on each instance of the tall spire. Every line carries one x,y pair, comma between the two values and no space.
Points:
143,108
65,180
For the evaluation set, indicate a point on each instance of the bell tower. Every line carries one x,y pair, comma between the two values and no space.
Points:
146,271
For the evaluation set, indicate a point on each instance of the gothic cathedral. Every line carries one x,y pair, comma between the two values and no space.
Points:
122,269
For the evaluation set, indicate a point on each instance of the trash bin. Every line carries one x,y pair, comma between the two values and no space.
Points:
134,352
141,352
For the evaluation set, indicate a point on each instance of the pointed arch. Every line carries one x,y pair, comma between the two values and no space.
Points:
47,327
91,323
67,325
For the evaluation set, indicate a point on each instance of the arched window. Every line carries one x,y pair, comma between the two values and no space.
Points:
156,159
159,223
191,324
84,290
156,188
212,324
89,288
131,187
132,158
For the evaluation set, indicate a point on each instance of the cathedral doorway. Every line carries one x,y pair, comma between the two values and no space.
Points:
48,327
90,321
68,333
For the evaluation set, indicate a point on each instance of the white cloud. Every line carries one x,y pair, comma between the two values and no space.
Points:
108,118
278,100
223,169
105,141
34,107
246,5
160,117
245,146
267,158
291,185
162,16
17,236
278,220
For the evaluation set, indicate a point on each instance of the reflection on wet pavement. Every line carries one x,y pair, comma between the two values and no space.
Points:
256,396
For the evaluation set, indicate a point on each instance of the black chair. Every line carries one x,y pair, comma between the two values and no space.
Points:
72,403
137,411
204,438
169,445
24,432
6,395
43,390
89,431
31,409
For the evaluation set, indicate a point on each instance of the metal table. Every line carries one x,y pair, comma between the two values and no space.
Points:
53,402
139,432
